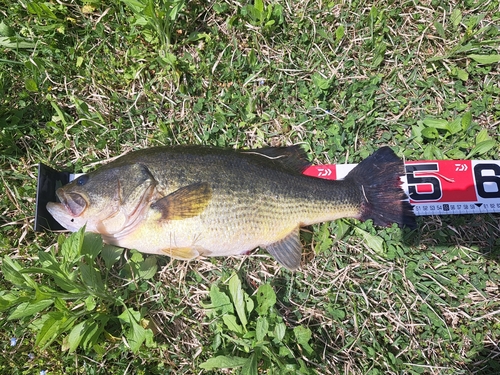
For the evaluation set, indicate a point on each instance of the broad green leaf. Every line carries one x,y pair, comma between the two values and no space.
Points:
435,123
136,334
456,17
266,298
148,268
54,323
249,303
31,85
466,120
223,361
111,254
431,152
6,30
220,301
136,5
440,29
339,32
91,277
303,335
74,338
238,298
430,133
320,82
29,308
373,242
482,147
259,6
250,366
92,245
261,328
482,136
11,272
90,303
455,126
59,276
485,59
15,43
279,331
91,334
10,299
462,74
232,324
70,249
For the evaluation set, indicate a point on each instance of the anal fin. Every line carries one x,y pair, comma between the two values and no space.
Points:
287,251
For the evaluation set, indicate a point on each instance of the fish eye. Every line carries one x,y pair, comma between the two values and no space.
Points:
82,180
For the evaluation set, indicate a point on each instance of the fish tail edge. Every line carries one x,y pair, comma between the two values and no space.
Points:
383,199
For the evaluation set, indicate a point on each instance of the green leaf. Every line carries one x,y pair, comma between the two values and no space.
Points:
15,43
238,298
435,123
373,242
53,324
339,32
220,301
250,366
90,303
72,341
11,272
482,136
111,254
148,268
31,85
91,277
303,335
232,324
455,126
320,82
430,133
29,308
466,120
92,245
6,30
91,333
440,29
481,148
136,334
279,331
70,249
456,17
266,298
485,59
261,328
223,361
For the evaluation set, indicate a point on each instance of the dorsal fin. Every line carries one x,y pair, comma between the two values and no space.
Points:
292,158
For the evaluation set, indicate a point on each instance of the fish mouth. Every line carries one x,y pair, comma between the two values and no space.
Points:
74,203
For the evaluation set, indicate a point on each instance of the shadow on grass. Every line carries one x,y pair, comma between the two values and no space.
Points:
479,233
487,362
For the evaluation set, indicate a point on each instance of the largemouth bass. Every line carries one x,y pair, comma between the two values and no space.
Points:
187,201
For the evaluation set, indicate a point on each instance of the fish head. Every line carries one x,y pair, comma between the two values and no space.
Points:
106,201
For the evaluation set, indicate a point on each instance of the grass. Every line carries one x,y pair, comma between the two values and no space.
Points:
84,81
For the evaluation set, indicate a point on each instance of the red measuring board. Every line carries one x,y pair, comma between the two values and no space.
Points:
440,187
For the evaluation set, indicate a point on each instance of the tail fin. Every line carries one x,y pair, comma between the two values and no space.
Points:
384,200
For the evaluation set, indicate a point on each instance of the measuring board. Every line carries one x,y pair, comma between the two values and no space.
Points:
440,187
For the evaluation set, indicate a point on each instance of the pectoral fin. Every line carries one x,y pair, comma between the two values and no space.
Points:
186,202
287,251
